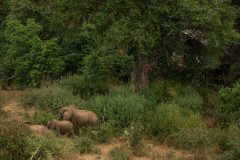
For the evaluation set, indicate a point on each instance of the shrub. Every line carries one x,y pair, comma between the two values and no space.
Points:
48,148
160,91
228,109
102,133
229,142
49,99
133,136
82,87
167,91
84,144
119,66
189,98
210,99
193,138
105,132
169,119
13,139
41,117
121,107
120,153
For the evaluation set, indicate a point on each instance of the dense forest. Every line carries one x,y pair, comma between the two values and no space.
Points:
161,71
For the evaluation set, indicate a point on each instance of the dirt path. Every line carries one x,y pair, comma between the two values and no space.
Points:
11,106
159,152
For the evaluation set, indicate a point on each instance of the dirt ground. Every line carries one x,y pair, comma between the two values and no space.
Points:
158,152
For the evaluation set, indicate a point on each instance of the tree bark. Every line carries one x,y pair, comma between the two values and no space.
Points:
141,75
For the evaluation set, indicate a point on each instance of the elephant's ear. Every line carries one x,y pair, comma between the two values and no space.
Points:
67,115
54,124
49,125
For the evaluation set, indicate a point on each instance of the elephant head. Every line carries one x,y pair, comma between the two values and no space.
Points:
65,113
52,124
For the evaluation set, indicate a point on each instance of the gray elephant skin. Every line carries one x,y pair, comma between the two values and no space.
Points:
79,118
63,127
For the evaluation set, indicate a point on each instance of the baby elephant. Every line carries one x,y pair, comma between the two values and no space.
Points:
62,127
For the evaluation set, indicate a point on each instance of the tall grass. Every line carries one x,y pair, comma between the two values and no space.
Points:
120,106
78,85
49,99
168,119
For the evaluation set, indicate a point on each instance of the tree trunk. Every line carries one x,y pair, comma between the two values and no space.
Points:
141,77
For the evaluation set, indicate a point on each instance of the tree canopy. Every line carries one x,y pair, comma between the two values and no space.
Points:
49,39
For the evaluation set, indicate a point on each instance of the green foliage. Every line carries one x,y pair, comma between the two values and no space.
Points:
41,117
159,92
49,99
119,66
78,85
210,98
169,119
13,139
28,60
133,136
148,30
229,142
120,153
47,148
192,138
78,46
84,144
105,132
228,109
93,80
120,107
189,98
168,91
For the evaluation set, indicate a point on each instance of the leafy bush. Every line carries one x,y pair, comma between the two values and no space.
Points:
48,148
229,142
228,109
119,66
121,107
120,153
189,98
167,91
133,136
160,91
105,132
84,144
48,99
41,117
193,138
29,59
78,85
210,99
93,80
169,119
13,139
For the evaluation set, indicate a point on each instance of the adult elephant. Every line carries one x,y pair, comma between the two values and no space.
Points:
79,118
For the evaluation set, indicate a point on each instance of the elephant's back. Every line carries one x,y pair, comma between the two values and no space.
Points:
87,116
66,123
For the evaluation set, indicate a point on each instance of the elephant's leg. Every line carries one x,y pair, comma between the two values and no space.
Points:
71,134
58,131
76,130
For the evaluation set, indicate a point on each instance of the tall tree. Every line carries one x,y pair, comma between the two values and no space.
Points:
160,30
